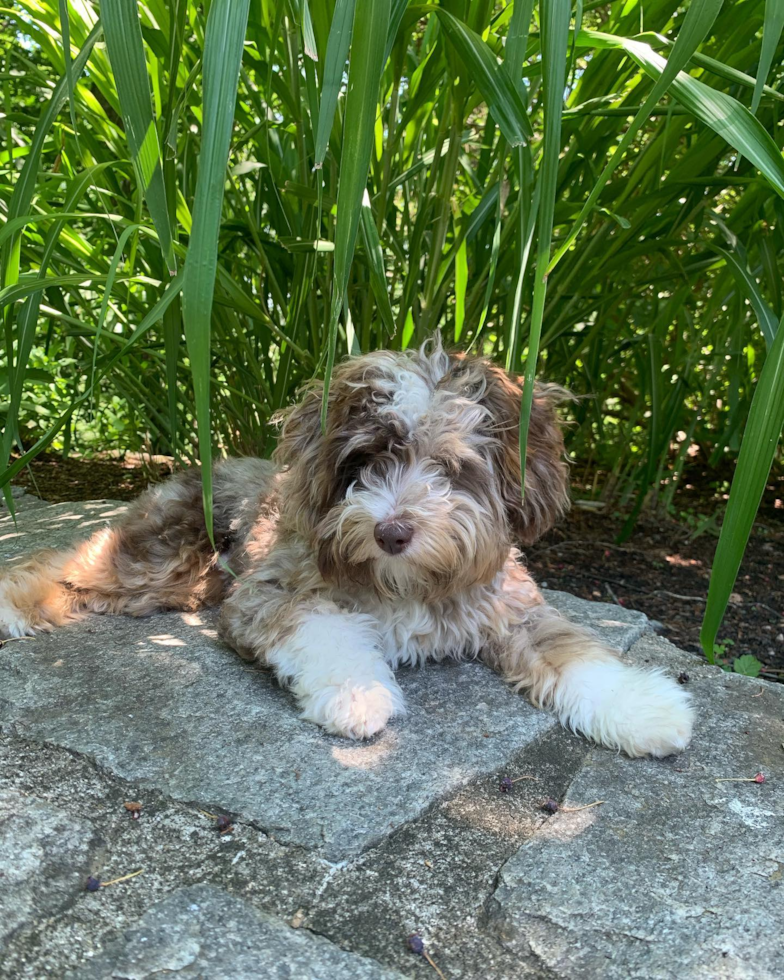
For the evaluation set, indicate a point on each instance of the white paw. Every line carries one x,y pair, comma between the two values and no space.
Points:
355,709
641,712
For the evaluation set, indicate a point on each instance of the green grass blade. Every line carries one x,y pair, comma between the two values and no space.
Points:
223,46
308,37
495,84
757,451
26,323
765,316
65,29
369,35
555,16
110,277
334,65
25,185
774,23
700,18
125,46
375,257
726,116
461,285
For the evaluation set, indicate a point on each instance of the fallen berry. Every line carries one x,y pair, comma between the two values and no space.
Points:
415,944
760,777
93,884
505,785
550,806
223,824
683,678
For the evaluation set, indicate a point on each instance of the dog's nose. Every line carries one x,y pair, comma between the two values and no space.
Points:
393,536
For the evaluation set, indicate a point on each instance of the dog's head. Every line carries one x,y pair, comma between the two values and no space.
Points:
414,488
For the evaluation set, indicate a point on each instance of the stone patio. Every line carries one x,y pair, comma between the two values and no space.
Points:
338,851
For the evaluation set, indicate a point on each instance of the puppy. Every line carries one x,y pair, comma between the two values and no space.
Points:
388,539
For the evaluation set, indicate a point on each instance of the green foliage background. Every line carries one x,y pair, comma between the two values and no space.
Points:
536,179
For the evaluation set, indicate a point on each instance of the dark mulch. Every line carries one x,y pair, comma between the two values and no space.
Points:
662,569
55,479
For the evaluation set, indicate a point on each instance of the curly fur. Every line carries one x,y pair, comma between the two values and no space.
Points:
425,441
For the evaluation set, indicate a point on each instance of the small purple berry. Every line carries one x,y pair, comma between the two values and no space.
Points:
93,884
550,806
223,823
683,678
505,785
415,944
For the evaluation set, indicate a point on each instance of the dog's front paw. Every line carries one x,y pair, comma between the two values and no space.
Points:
354,709
641,712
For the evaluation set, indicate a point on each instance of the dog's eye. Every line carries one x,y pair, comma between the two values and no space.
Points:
349,471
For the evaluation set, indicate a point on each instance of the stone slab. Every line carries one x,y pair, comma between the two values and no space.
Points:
161,702
203,931
613,624
45,857
676,874
40,525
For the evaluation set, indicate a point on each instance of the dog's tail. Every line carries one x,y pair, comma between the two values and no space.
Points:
570,671
35,596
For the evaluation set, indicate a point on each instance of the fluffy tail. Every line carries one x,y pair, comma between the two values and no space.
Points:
570,671
34,597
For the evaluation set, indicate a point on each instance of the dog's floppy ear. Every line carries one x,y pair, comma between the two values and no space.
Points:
300,432
546,471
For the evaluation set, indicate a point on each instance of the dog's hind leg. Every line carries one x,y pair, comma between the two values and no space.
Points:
158,556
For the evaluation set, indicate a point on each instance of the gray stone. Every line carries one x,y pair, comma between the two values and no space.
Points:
673,875
614,625
22,500
676,874
45,858
40,525
203,931
161,702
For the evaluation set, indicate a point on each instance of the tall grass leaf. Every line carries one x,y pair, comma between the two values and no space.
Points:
224,38
25,185
555,16
26,323
461,284
517,41
774,23
371,22
125,47
395,17
65,30
308,37
375,257
332,78
110,276
726,116
497,88
766,318
757,451
700,18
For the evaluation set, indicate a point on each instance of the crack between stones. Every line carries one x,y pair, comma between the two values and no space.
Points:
483,919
